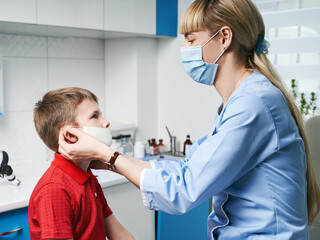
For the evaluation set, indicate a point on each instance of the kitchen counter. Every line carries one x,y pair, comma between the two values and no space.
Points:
14,197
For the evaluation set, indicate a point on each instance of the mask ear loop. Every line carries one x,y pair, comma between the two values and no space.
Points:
68,127
220,56
210,38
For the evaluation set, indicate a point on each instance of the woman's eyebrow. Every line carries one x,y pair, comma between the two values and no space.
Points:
188,34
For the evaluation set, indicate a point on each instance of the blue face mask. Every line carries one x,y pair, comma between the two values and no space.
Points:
197,69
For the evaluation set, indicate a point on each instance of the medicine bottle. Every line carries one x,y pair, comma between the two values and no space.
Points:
187,144
127,145
151,149
116,144
155,146
139,149
161,146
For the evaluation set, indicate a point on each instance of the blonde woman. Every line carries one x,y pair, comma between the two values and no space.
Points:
254,162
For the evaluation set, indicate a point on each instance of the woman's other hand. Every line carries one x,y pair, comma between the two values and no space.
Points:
84,149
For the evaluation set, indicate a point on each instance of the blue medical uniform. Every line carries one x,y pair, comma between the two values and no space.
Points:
252,163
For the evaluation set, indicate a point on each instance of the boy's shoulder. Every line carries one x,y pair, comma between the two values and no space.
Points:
54,180
52,176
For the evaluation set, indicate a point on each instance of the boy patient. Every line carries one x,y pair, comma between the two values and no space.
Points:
68,202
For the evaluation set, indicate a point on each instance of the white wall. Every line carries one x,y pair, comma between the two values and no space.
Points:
32,66
131,84
146,85
184,105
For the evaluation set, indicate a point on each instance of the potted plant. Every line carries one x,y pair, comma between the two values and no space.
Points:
307,107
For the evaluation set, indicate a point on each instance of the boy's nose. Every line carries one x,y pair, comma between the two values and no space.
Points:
106,123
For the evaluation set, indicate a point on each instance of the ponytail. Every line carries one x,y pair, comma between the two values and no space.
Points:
262,64
246,22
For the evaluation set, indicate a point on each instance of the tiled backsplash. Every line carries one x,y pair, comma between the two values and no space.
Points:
32,66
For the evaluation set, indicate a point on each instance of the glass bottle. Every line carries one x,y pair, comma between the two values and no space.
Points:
155,146
127,145
116,144
161,146
187,144
147,148
151,147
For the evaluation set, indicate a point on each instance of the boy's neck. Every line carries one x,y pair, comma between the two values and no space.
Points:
83,165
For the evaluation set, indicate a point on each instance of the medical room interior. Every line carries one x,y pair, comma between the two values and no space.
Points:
128,54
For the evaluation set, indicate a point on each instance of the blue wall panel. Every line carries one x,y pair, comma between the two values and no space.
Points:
167,18
192,225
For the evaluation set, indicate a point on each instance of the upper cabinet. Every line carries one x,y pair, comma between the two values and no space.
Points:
154,17
167,18
71,13
90,18
22,11
134,16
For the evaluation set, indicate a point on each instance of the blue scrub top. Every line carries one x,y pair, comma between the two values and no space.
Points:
252,163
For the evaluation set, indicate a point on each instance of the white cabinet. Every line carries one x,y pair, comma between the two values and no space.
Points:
90,18
18,11
134,16
86,14
126,203
314,231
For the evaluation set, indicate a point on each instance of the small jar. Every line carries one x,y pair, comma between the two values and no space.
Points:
139,149
127,145
116,144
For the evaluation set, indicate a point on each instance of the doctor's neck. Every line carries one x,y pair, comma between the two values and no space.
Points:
229,77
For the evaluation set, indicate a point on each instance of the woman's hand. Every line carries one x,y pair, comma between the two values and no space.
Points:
86,148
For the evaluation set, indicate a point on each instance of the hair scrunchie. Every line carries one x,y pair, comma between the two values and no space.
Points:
262,45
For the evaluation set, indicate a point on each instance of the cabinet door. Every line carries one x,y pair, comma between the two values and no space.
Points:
134,16
126,203
191,225
12,220
314,230
71,13
23,11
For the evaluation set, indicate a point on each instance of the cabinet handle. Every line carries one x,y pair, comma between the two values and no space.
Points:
10,232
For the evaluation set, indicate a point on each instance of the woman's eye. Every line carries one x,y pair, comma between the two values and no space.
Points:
190,41
94,116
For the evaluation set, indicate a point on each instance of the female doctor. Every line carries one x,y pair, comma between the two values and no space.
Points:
254,161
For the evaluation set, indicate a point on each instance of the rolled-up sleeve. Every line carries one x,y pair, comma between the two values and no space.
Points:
245,135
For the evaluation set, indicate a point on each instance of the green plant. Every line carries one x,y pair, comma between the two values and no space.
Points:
306,107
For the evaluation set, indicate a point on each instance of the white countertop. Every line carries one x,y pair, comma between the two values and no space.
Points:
14,197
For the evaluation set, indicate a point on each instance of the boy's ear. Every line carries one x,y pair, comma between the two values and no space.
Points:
70,138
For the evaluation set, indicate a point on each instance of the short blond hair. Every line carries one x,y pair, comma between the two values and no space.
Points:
56,109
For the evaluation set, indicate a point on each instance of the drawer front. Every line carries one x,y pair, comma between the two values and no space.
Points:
12,220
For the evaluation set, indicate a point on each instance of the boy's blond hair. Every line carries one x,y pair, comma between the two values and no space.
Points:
56,109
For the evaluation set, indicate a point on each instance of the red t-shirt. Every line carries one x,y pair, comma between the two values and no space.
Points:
67,202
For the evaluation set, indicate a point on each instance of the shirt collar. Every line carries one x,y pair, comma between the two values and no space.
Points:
68,167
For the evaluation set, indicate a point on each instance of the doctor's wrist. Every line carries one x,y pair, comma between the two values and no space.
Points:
108,157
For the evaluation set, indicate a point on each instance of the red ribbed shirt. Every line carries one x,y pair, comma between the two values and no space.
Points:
67,202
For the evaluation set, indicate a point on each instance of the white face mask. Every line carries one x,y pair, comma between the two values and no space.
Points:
102,134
